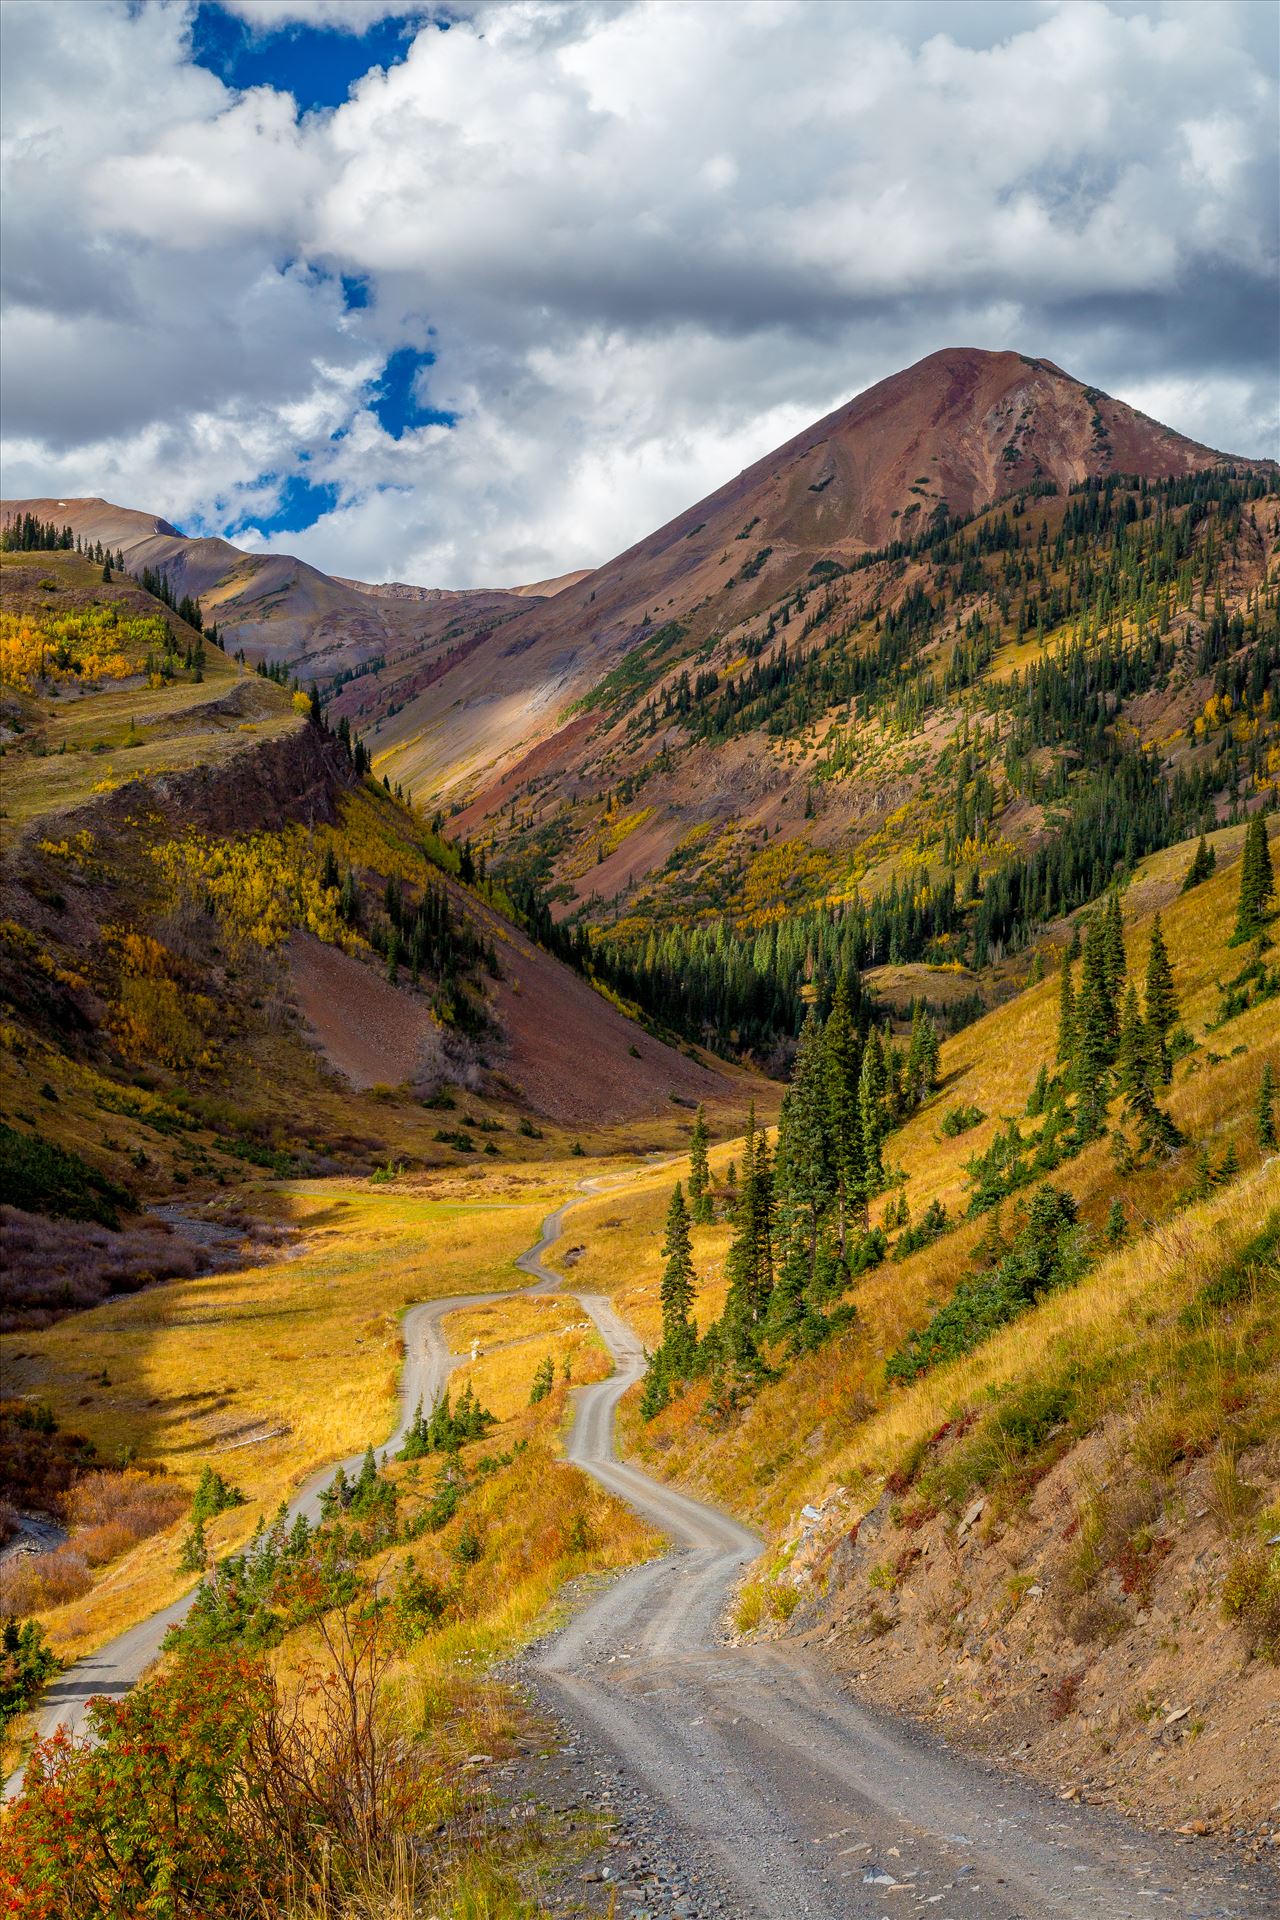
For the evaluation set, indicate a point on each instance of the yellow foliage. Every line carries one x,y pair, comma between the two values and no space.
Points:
152,1017
619,829
263,887
95,644
302,703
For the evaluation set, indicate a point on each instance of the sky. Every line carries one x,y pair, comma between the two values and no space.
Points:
473,295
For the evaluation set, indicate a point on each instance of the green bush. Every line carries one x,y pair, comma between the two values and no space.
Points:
1046,1253
41,1178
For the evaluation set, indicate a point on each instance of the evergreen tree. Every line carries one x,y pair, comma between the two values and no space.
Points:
1117,1227
1137,1075
1203,862
699,1172
872,1110
1096,1036
843,1060
922,1056
805,1182
1257,883
1266,1109
679,1335
749,1264
1161,1010
1134,1054
1113,949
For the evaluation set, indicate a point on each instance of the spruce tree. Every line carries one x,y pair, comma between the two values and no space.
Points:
805,1180
843,1062
1161,1009
749,1264
1267,1109
922,1056
1257,883
1133,1057
699,1172
1096,1036
1203,862
871,1107
679,1335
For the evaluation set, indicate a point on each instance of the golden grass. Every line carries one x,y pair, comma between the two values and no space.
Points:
299,1357
1130,1299
786,1446
511,1339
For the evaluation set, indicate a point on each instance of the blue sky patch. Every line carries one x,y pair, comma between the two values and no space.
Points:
394,403
317,65
302,502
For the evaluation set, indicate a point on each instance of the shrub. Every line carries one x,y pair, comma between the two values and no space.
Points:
1044,1254
54,1267
33,1581
1251,1597
959,1119
210,1790
42,1178
26,1662
141,1503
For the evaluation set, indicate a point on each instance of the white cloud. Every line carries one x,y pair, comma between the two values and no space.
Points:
652,240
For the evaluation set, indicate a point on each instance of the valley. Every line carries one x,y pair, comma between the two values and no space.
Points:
847,920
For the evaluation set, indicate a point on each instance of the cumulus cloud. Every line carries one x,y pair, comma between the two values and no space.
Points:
643,242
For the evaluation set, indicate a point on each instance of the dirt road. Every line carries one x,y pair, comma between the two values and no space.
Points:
799,1801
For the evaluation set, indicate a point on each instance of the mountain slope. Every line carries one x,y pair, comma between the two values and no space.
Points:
945,437
276,608
1055,1537
226,948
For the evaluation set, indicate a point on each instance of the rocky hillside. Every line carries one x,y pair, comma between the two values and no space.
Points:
227,948
530,715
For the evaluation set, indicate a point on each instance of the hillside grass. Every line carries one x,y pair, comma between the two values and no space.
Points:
96,735
307,1343
831,1413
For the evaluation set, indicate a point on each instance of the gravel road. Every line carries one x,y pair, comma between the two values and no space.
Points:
747,1780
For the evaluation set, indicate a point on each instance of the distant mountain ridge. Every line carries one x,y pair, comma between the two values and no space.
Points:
526,712
279,608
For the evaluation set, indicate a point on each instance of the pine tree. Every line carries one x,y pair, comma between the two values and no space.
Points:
922,1056
1117,1227
1096,1036
1133,1057
1203,862
1266,1109
699,1172
1138,1074
871,1107
805,1181
679,1335
1257,883
749,1263
1161,1010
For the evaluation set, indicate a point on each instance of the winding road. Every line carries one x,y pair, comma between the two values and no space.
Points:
798,1801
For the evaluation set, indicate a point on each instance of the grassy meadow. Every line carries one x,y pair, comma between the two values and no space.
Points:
272,1370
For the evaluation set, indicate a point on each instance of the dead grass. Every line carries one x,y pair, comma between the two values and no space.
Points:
830,1418
269,1371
